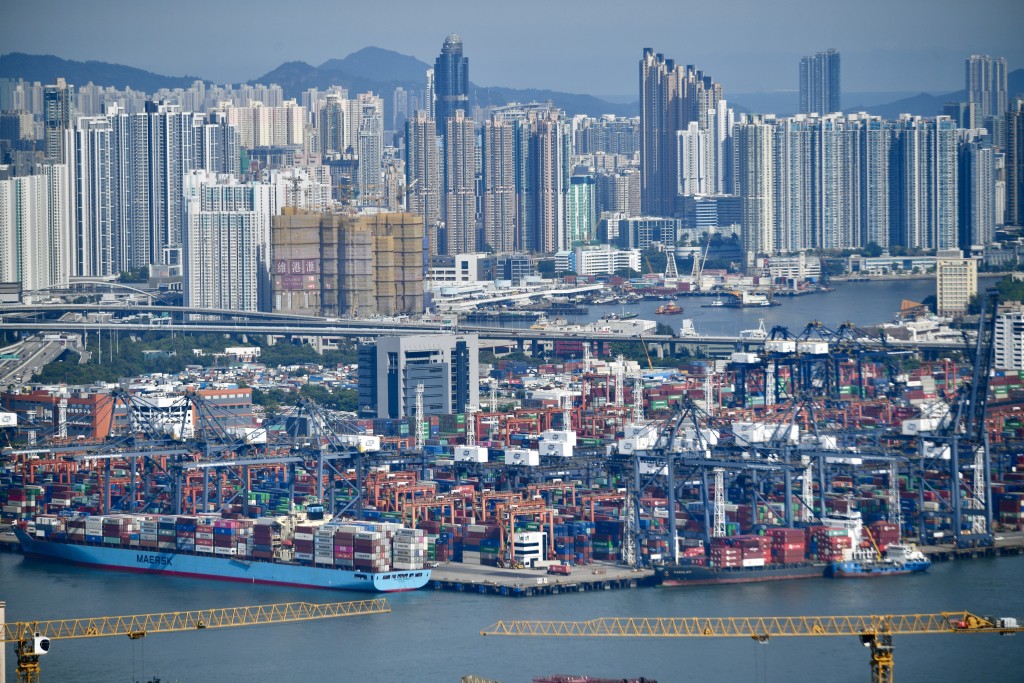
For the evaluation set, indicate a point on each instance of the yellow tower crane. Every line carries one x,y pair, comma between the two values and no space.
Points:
874,631
32,638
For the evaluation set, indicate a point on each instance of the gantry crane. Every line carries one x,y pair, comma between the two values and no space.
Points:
33,638
874,631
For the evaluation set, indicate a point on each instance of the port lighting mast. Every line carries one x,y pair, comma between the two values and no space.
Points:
420,439
638,400
470,425
718,530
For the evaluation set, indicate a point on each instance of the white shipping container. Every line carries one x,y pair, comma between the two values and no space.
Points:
779,345
522,456
477,454
560,435
817,348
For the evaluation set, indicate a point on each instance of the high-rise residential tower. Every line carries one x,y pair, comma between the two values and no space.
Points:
754,143
985,80
460,185
671,97
451,82
423,174
58,116
499,185
1015,164
820,83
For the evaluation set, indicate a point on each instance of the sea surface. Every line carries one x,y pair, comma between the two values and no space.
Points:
434,636
862,303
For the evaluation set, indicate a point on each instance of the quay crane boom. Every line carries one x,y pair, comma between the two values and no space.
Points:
874,631
33,637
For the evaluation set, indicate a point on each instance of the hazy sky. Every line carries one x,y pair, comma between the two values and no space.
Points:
590,46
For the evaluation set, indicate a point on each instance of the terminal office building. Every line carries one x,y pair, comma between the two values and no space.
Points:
446,365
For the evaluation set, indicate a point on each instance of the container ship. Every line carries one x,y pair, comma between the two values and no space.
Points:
780,555
287,551
675,575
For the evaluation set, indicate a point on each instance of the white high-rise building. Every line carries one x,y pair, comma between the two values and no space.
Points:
227,247
423,184
927,151
721,120
581,210
460,184
696,160
93,180
755,176
499,184
370,151
1009,341
34,228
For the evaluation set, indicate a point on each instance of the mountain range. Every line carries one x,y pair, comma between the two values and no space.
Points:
381,71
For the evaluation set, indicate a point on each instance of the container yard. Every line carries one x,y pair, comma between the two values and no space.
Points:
599,475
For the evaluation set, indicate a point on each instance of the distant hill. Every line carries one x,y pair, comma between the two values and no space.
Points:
382,65
371,69
47,69
926,104
381,71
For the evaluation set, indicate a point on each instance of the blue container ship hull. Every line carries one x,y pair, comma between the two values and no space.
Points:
868,570
222,568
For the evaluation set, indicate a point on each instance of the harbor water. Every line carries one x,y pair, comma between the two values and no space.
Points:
861,303
434,636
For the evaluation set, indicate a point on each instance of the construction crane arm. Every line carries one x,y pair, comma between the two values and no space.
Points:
138,625
758,627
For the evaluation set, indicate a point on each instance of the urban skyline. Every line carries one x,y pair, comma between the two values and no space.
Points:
594,60
139,171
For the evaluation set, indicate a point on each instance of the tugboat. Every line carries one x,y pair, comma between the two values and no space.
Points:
899,558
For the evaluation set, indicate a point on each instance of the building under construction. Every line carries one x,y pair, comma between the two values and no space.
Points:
347,265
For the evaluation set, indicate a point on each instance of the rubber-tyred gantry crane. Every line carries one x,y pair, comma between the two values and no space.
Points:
32,638
874,631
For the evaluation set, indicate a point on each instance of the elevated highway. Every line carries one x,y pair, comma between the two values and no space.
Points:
352,329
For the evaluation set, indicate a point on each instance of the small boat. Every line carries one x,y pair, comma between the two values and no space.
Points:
757,333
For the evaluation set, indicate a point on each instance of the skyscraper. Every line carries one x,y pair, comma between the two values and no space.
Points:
985,80
926,183
977,191
670,98
499,185
34,215
819,83
581,214
1015,164
58,115
98,252
549,182
460,184
753,140
451,82
370,150
423,174
227,241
